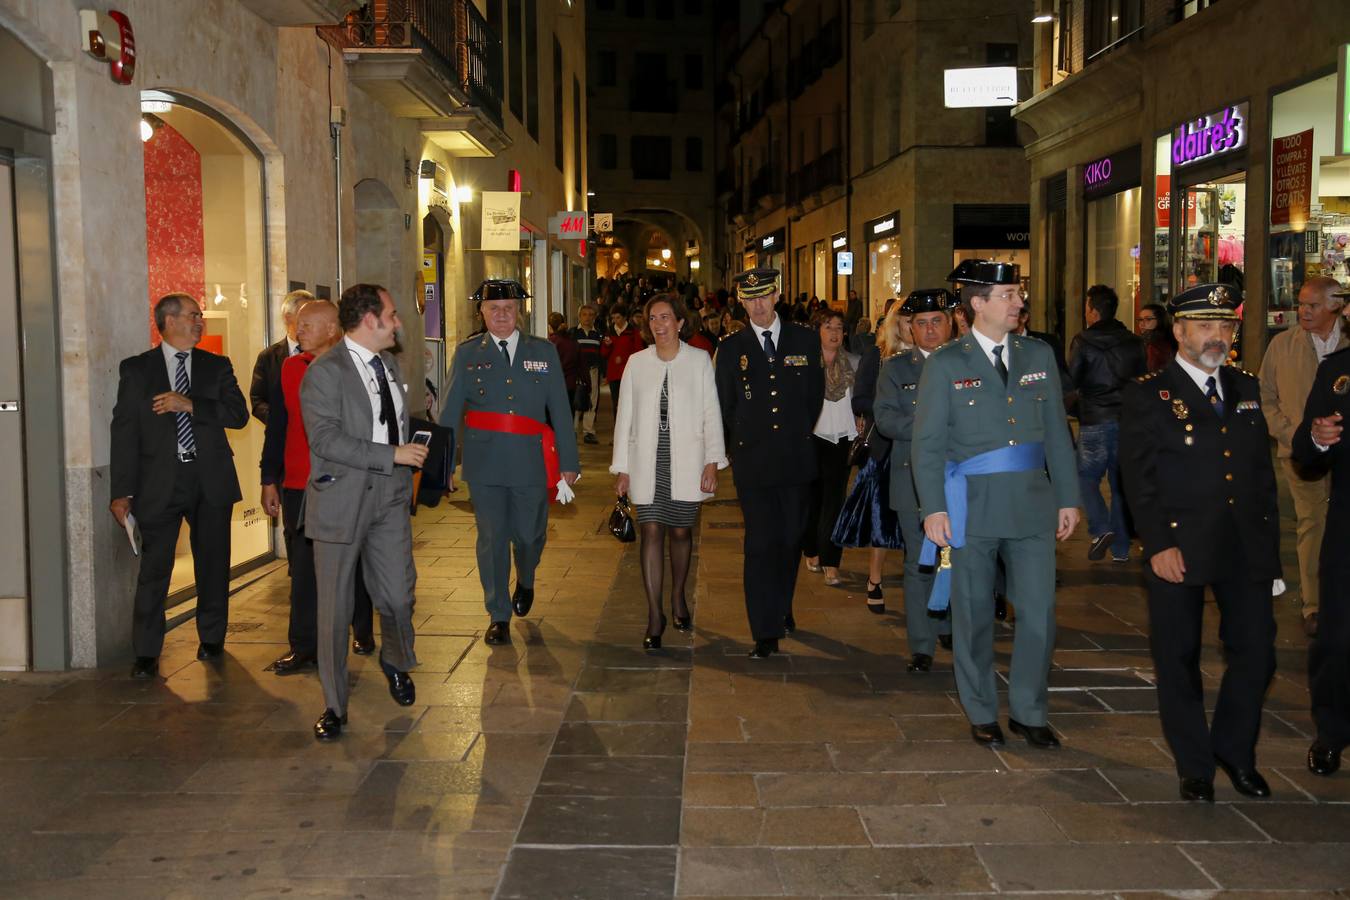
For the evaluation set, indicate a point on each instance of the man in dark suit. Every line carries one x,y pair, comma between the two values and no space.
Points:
170,462
771,388
267,370
1196,459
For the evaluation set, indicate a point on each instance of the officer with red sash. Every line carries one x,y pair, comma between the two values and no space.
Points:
518,442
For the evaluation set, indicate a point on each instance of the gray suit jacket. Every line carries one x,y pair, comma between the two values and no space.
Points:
532,387
335,403
893,409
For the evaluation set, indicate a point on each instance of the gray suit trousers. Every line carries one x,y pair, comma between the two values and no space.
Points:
383,543
921,630
508,517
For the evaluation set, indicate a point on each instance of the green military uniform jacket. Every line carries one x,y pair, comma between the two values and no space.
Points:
964,410
894,409
533,386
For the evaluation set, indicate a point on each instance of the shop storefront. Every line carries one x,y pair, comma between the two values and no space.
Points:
993,231
771,251
1112,194
883,261
838,244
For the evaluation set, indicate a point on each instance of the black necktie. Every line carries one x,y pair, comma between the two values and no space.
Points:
1212,392
505,352
999,365
388,417
769,349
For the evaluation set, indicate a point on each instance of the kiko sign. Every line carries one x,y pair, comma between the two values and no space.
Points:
1209,136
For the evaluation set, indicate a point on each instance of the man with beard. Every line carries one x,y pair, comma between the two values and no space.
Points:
1195,456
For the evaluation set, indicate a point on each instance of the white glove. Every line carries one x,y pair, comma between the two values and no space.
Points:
565,494
1277,588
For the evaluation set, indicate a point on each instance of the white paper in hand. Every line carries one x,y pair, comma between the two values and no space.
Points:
565,494
133,533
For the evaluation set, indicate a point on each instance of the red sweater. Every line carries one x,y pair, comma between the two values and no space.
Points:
617,349
297,442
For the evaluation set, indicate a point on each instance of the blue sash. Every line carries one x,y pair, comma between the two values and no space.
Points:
1015,458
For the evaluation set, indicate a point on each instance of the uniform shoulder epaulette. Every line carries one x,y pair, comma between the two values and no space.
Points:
1148,376
948,347
471,338
1236,368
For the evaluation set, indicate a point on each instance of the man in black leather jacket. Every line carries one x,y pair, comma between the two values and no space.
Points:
1102,359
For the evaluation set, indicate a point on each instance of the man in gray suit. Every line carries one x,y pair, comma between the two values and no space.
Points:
894,409
359,497
508,387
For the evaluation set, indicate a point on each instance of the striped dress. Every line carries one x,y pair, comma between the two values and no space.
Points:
663,509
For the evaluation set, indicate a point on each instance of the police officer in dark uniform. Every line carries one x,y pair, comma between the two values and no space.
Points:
771,388
1195,456
1318,443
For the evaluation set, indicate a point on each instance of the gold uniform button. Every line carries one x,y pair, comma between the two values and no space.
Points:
1231,501
509,397
1012,421
1227,453
1010,399
1174,524
1223,429
1228,477
775,409
1012,443
1189,440
775,428
508,381
772,377
773,393
1190,427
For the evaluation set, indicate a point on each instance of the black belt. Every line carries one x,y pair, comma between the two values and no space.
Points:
187,456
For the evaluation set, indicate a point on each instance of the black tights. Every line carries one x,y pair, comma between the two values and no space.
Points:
654,569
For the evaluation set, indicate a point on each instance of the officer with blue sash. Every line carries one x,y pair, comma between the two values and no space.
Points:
995,473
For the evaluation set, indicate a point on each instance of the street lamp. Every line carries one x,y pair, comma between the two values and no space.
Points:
463,194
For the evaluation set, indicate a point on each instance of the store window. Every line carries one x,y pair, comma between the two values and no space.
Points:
1162,220
1213,240
801,272
820,286
883,262
1309,197
998,231
1111,189
206,237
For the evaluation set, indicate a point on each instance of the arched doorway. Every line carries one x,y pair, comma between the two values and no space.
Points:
206,236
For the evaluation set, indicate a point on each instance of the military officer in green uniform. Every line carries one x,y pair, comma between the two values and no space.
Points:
995,473
518,442
894,408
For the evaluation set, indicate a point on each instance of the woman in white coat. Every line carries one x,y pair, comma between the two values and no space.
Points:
668,446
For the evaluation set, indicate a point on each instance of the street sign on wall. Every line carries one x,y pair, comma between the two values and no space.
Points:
604,223
569,224
843,262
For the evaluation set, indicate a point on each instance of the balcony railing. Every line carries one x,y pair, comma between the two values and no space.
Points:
763,185
822,172
451,34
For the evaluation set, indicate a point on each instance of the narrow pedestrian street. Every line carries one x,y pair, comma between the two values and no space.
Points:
574,764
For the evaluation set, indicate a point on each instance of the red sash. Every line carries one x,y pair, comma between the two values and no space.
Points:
509,423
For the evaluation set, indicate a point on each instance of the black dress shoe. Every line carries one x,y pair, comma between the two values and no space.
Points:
293,662
764,649
145,667
1035,735
401,686
990,735
945,640
208,651
522,600
1001,608
363,646
1247,782
1193,789
789,625
498,633
876,601
1097,549
920,662
329,726
1323,759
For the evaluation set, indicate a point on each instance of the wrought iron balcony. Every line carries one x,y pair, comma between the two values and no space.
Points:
433,60
824,171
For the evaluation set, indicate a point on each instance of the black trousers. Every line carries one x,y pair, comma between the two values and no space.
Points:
209,532
775,520
613,396
827,498
1247,632
1329,655
304,627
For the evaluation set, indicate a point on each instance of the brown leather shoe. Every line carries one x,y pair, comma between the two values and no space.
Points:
1310,625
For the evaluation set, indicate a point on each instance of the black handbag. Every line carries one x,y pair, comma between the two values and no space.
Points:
621,521
861,449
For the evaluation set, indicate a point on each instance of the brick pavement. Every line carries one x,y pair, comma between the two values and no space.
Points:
575,764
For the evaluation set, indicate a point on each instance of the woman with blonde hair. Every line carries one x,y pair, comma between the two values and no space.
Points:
867,519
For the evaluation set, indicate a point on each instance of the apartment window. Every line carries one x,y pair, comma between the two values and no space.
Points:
532,68
633,8
693,154
608,151
558,142
515,41
1108,22
650,157
1191,7
494,15
693,71
693,7
576,133
1000,128
665,9
607,68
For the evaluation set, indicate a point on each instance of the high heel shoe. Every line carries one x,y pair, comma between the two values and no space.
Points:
874,594
684,622
653,641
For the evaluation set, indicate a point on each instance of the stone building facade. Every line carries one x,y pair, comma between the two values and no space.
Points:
213,171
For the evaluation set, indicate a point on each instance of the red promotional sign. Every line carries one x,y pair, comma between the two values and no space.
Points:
1162,201
1291,179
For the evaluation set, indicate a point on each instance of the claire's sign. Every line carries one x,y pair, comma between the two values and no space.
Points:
1209,136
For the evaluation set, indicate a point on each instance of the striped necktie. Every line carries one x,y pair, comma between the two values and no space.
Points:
183,421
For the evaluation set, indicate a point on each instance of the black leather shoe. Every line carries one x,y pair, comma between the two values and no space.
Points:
1197,789
876,601
945,640
145,667
789,625
363,646
522,600
401,686
1035,735
1001,608
683,623
653,641
764,649
989,735
1097,549
293,662
329,726
498,633
1323,759
1247,782
208,651
920,662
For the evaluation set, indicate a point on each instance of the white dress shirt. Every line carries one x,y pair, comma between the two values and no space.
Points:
776,329
511,344
171,363
836,422
1324,346
1201,377
379,433
988,345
